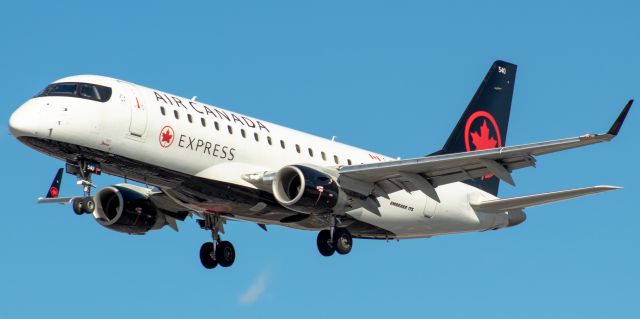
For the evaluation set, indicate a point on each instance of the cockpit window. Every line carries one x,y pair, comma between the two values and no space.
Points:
64,89
82,90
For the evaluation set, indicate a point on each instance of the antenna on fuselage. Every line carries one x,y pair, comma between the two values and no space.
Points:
194,98
333,138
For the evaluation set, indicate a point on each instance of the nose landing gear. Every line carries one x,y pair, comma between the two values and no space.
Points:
84,170
83,205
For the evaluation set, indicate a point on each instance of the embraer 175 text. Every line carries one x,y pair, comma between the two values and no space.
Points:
219,165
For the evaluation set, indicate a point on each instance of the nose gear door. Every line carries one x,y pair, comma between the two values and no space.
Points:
133,100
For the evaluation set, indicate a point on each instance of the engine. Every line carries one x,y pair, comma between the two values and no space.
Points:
307,190
127,209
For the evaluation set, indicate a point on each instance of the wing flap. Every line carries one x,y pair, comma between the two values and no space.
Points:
514,203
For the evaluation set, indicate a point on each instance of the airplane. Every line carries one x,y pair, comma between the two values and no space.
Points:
203,161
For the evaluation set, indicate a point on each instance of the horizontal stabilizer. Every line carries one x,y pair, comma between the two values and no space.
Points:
58,200
508,204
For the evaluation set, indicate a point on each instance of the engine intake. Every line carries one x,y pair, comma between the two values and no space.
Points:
126,210
306,190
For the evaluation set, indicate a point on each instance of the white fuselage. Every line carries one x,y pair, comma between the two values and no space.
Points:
209,142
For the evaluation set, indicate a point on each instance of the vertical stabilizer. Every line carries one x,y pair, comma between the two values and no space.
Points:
484,123
54,190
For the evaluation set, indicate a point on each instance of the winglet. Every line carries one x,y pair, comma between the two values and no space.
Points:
615,128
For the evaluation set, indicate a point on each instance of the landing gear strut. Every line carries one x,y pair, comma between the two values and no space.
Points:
217,252
83,169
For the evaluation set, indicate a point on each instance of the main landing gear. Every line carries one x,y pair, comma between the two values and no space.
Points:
217,252
340,241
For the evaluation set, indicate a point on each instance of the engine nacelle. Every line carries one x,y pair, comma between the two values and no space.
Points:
307,190
126,208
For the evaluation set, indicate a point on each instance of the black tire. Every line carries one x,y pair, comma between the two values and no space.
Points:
205,256
77,206
325,247
89,205
225,254
343,241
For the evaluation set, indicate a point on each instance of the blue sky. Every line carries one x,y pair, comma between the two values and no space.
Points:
389,76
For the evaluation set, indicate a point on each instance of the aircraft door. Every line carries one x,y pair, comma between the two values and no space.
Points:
134,101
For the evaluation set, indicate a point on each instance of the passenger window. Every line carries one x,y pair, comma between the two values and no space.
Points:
324,156
203,122
269,140
162,110
297,148
190,118
310,152
348,162
282,144
175,113
335,159
230,129
217,126
243,133
255,135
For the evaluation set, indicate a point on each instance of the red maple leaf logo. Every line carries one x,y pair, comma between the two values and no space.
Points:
483,141
166,136
54,192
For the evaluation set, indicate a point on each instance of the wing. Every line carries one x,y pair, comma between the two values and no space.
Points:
426,173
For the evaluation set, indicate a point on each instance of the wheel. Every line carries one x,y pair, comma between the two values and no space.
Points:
325,246
77,206
225,254
343,241
89,205
206,258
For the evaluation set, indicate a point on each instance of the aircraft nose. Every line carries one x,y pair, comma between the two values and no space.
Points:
24,121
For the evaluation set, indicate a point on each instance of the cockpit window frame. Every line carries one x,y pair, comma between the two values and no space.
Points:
100,89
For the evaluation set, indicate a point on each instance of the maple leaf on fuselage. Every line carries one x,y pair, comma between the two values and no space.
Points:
483,141
166,136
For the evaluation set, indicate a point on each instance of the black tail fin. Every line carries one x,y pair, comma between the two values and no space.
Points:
484,123
54,190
